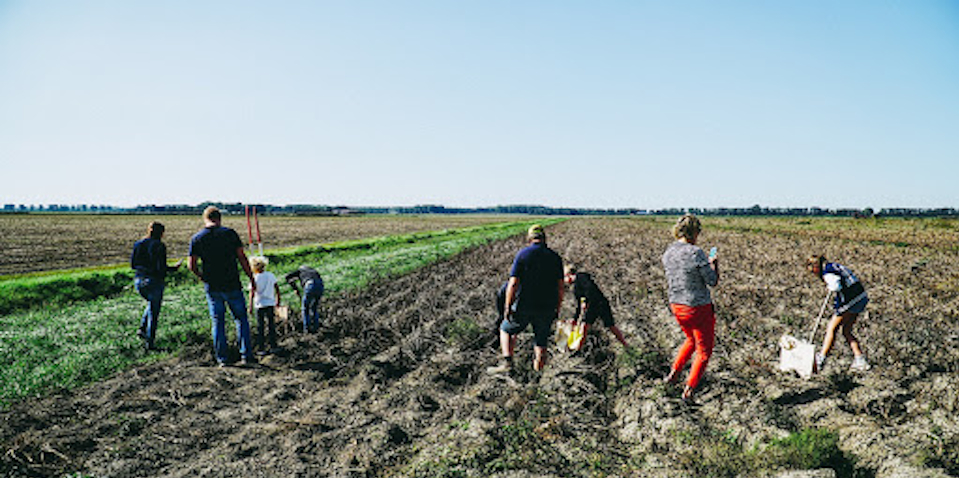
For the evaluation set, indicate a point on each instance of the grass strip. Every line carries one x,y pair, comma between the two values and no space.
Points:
46,289
72,340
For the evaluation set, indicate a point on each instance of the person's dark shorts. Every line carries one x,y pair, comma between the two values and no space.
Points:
542,323
857,308
600,310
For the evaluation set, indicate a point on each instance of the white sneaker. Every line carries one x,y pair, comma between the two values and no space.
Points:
859,364
820,361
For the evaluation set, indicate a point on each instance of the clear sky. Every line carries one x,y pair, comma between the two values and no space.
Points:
607,104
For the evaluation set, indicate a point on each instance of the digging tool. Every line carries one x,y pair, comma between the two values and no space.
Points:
800,355
259,241
576,335
822,310
249,229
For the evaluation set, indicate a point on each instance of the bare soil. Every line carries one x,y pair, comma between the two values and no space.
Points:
386,389
43,242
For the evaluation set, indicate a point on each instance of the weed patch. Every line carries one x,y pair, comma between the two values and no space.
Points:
464,332
718,453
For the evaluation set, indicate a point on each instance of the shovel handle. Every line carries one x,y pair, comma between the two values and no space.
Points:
821,312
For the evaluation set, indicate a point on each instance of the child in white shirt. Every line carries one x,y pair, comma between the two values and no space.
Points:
265,298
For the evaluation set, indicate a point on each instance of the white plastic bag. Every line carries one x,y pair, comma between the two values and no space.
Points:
797,354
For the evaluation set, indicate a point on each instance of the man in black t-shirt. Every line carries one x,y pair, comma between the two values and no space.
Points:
214,253
590,302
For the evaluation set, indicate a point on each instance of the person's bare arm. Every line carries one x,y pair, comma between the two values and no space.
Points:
714,264
511,295
561,286
241,256
194,267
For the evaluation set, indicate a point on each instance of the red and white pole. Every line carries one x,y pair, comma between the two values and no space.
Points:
259,241
249,228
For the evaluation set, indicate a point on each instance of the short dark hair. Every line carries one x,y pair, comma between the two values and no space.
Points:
155,230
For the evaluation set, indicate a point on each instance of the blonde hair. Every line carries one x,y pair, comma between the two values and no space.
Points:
258,263
211,213
536,232
815,260
687,227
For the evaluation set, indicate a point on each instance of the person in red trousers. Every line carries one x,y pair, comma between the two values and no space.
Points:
689,274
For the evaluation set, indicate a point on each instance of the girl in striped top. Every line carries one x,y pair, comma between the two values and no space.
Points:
851,300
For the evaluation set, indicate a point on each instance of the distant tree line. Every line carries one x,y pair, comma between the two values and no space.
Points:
512,209
322,210
81,208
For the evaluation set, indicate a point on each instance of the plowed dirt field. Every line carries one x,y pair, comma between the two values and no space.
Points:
42,242
395,383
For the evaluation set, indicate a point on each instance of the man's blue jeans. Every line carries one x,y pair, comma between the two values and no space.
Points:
312,293
152,290
218,302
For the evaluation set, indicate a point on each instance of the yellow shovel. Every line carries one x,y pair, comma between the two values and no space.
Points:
576,334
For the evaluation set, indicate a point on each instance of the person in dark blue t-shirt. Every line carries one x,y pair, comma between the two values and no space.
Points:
218,249
149,261
539,271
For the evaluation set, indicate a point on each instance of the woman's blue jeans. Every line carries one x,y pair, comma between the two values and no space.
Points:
312,293
152,290
218,302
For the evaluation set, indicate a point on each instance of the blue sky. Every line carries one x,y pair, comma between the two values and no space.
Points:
480,103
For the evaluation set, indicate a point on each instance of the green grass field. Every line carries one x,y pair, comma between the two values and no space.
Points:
65,330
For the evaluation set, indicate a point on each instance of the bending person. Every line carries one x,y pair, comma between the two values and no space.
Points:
688,273
851,300
591,303
312,284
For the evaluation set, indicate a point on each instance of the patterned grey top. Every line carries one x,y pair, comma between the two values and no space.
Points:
687,274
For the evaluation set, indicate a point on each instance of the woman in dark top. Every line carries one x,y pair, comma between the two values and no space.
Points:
149,261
